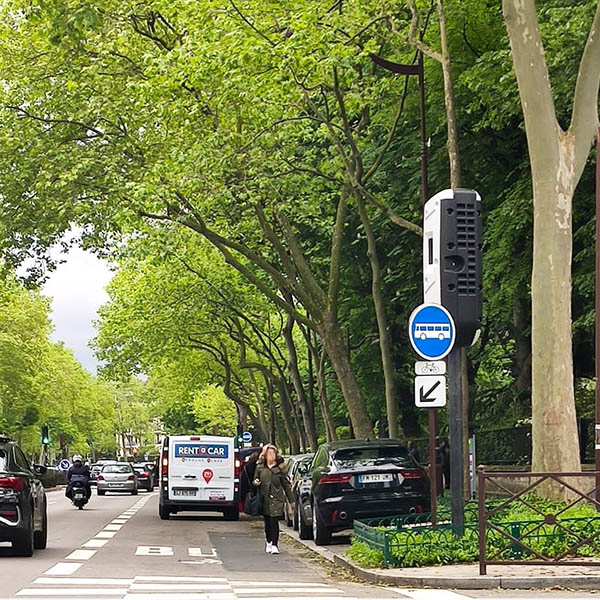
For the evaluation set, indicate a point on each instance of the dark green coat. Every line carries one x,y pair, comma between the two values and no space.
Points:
274,487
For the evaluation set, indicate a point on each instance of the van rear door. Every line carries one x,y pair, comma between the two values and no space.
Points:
201,469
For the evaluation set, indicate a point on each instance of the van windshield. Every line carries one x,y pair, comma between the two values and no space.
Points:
373,456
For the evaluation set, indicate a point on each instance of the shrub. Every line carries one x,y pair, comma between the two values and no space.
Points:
364,556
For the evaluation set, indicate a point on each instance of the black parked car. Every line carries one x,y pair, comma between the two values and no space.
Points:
297,467
355,479
23,516
144,476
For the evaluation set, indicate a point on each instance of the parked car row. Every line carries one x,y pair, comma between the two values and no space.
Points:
353,479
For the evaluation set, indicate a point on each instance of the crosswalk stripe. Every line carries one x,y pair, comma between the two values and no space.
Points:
182,596
62,568
81,581
71,592
195,587
432,594
284,590
241,584
182,579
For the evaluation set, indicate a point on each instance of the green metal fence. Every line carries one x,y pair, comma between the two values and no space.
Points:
404,539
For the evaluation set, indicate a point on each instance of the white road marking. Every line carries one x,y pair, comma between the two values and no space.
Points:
154,551
432,594
76,591
198,552
112,527
93,543
62,568
184,596
82,581
81,555
106,534
240,584
175,578
194,587
119,521
284,590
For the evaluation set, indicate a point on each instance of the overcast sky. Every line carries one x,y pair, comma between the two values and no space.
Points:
77,290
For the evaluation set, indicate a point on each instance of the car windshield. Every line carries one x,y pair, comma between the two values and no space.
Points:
372,456
3,460
117,469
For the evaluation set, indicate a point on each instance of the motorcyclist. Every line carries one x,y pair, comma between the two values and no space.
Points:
79,473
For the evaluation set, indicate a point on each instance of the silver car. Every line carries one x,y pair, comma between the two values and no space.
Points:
118,477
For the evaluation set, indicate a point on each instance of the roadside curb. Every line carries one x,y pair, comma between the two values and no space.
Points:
480,582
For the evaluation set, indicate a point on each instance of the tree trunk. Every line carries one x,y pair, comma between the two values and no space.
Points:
337,350
307,419
554,420
557,161
286,413
322,383
385,345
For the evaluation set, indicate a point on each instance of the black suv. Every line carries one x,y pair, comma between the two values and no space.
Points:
23,516
356,479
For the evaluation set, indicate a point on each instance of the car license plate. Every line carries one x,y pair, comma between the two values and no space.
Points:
375,478
217,494
184,492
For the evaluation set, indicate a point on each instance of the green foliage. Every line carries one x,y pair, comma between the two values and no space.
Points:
364,556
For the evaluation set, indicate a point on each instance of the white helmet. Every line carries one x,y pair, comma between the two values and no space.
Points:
77,458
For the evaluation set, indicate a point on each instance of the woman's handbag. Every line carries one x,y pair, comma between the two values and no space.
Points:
253,504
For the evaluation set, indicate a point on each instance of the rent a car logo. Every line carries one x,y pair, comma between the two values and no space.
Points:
208,452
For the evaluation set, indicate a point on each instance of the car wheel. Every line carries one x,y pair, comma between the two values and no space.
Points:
101,492
134,493
304,530
321,533
23,545
40,538
163,512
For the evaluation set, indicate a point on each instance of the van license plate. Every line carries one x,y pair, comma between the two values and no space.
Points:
184,492
217,494
375,478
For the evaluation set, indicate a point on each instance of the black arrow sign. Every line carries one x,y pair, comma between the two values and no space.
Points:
426,397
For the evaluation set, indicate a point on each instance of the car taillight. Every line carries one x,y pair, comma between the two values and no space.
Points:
412,474
100,477
165,466
143,475
335,479
12,483
131,478
9,514
237,467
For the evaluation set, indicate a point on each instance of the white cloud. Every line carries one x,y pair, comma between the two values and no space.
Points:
77,289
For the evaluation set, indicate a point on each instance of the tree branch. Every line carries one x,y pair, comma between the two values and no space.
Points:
584,121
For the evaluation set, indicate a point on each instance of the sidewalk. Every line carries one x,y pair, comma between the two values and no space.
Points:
459,577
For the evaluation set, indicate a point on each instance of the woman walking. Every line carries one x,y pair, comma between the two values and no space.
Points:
271,479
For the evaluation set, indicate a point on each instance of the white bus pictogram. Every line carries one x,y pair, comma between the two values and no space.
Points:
427,331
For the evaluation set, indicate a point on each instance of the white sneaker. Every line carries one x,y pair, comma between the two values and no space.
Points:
269,548
274,550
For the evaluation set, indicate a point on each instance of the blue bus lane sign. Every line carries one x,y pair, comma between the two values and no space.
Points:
431,331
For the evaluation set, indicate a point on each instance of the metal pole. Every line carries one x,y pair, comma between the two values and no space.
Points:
456,441
424,159
481,517
433,464
597,424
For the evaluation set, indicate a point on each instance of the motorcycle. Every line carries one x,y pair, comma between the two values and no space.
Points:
78,494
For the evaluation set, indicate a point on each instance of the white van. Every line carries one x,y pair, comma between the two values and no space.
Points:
201,473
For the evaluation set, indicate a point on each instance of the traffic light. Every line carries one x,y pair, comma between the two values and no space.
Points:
239,438
452,274
45,435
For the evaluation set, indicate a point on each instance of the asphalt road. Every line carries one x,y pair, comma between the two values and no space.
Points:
117,548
